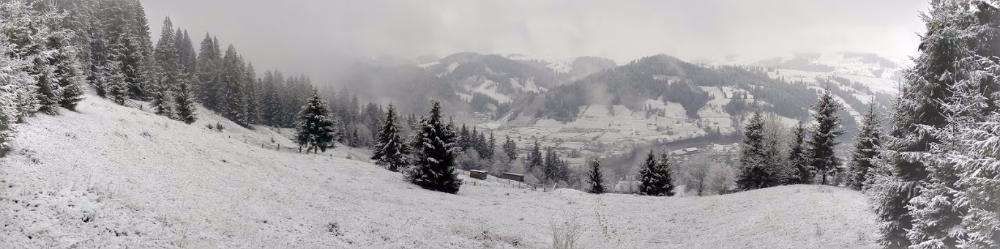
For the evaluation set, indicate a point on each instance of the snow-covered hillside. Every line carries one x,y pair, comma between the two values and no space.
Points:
119,177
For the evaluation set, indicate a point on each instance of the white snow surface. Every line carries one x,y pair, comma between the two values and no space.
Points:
118,177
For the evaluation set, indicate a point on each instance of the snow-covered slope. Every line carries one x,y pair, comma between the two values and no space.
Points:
118,177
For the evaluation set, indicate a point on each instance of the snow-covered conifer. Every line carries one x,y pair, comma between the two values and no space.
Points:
654,177
823,141
595,178
390,150
865,149
434,151
315,131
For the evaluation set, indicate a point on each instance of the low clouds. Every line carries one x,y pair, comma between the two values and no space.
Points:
315,36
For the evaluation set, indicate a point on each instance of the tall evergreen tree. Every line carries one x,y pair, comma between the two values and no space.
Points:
754,172
315,130
390,150
824,136
798,159
535,160
184,102
67,73
865,150
434,149
654,177
901,166
595,178
208,71
510,148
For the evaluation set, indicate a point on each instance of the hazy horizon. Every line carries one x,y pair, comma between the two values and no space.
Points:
316,37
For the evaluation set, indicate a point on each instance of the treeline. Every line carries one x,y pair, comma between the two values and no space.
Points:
41,69
771,155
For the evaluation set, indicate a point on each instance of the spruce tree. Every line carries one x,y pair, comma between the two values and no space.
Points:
824,136
753,169
798,159
390,150
535,160
901,166
654,177
184,103
67,74
315,130
510,148
865,150
595,178
434,148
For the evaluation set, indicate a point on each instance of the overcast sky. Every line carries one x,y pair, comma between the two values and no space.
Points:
312,36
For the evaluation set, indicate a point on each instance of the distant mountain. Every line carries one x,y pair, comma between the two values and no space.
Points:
875,72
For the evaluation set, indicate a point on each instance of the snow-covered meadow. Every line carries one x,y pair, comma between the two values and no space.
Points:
119,177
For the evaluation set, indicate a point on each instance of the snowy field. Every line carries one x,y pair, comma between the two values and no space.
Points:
118,177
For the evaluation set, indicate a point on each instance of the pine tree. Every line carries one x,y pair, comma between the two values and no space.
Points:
798,159
753,158
654,177
390,150
824,136
865,150
491,147
595,178
184,103
315,130
434,149
167,58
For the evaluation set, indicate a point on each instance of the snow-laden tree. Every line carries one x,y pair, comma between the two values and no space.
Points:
434,151
865,149
315,131
390,150
510,148
823,141
184,102
67,73
595,178
654,176
955,30
797,158
15,85
754,169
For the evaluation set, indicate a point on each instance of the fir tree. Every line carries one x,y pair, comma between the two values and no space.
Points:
390,150
654,177
869,139
595,178
315,130
824,137
797,157
434,148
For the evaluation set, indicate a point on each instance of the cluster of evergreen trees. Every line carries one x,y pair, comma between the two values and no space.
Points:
810,155
40,64
428,159
936,178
